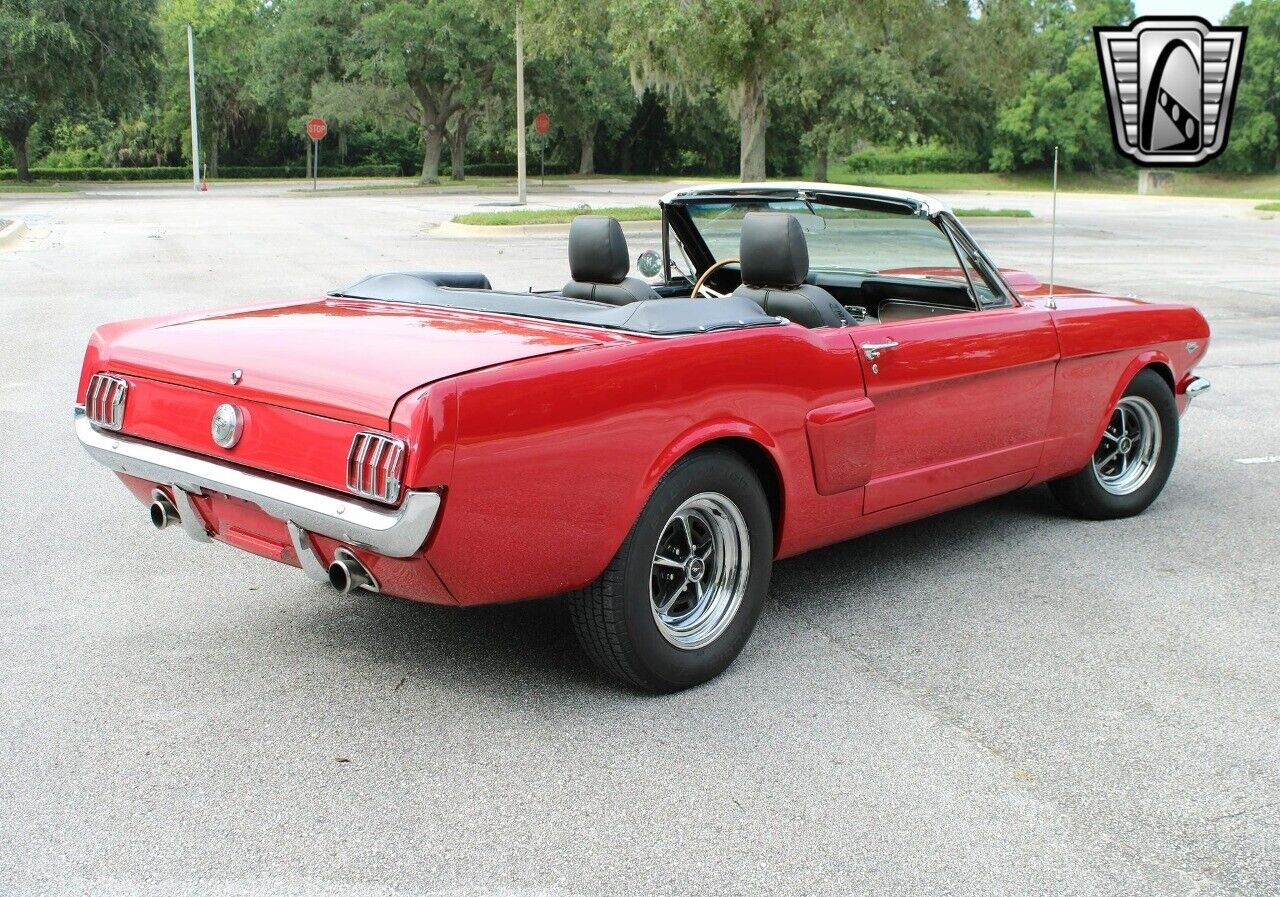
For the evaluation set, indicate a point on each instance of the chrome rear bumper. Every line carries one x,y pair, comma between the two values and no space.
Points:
1195,386
394,532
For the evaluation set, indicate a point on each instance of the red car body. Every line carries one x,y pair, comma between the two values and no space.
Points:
542,440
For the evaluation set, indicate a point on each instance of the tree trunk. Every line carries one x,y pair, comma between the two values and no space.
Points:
587,161
213,156
754,119
342,147
458,148
624,154
820,163
17,137
433,145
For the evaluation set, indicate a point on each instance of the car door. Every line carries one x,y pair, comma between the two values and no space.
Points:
960,398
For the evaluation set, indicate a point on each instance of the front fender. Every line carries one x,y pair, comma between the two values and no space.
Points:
1142,360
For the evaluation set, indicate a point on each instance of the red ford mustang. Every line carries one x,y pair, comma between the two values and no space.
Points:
814,362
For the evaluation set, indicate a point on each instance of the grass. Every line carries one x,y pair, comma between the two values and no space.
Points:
557,216
1268,207
992,213
1186,183
35,187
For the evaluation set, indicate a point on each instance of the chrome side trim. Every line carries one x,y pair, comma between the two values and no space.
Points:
306,553
393,532
1197,386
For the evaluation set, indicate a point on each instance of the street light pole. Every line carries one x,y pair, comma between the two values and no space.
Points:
521,186
195,133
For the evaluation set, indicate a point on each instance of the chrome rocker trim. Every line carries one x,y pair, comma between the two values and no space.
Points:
393,532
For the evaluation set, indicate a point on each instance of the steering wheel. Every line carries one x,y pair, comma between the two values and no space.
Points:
702,281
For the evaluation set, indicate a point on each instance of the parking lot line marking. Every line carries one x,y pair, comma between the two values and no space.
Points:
1264,459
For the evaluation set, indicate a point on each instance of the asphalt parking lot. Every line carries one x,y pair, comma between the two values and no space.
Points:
999,700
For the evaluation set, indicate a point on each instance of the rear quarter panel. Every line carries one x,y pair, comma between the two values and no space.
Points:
555,457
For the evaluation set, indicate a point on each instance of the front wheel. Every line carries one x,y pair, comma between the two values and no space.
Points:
681,597
1133,459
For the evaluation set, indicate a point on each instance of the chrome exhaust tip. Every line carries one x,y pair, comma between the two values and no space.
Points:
346,573
163,513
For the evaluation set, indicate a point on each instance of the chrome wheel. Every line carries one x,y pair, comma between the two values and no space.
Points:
1130,447
700,569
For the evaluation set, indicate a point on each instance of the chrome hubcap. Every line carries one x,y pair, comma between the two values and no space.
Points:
1130,447
699,572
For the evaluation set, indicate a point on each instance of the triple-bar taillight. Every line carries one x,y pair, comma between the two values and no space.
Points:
375,466
104,401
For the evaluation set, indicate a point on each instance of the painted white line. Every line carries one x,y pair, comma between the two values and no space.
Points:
1265,459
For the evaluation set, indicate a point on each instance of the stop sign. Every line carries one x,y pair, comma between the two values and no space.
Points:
542,123
316,129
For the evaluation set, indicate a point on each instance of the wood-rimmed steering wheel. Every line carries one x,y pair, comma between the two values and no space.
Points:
702,281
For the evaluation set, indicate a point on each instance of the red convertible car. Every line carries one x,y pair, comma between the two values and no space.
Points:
808,363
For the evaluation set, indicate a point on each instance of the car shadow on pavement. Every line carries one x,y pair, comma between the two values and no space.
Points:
508,650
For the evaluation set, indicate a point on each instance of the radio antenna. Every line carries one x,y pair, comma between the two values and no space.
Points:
1053,230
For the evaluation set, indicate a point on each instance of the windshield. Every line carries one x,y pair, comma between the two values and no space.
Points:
854,240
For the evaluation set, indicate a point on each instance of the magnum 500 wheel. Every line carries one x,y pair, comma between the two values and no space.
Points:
1133,459
681,597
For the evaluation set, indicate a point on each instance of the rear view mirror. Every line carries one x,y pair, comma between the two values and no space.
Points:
810,223
649,263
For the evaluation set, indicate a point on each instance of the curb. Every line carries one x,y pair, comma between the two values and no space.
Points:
453,229
12,232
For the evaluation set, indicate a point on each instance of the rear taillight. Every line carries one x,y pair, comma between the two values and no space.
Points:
375,466
104,401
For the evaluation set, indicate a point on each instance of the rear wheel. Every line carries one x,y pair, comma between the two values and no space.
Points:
1133,459
681,597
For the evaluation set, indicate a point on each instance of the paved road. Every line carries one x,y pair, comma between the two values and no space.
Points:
999,700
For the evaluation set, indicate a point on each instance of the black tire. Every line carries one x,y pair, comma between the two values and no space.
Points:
1087,493
615,618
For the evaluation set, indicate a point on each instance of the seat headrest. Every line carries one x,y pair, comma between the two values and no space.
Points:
773,250
597,250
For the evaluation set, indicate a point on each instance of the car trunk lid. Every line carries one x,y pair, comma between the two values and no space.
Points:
349,360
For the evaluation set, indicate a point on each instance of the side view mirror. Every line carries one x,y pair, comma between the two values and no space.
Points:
649,263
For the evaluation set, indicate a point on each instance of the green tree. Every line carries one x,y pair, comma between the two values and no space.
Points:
586,93
60,55
734,47
862,78
431,54
1253,144
226,33
301,69
1062,102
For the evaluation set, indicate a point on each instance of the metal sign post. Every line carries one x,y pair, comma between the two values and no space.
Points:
521,192
316,129
195,129
542,124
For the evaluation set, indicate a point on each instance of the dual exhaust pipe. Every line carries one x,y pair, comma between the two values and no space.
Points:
163,513
346,573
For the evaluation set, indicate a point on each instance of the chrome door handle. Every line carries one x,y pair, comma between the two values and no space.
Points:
873,350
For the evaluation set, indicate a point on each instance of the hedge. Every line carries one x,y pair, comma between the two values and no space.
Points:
506,169
913,160
225,172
